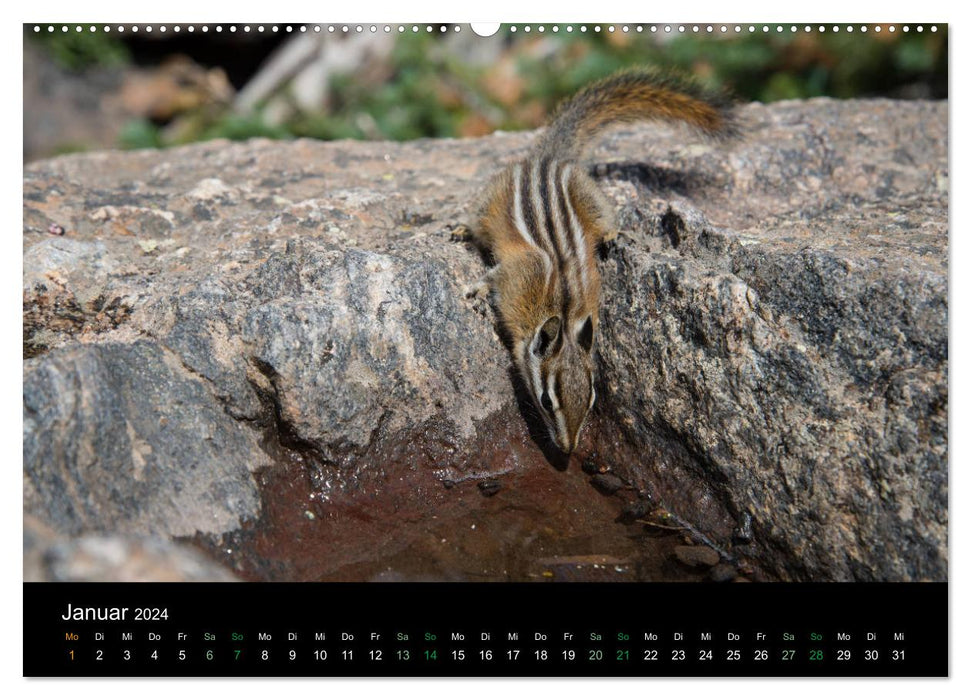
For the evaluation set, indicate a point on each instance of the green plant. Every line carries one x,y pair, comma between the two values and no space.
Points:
76,51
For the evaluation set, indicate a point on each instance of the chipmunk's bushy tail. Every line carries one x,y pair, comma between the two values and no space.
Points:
629,96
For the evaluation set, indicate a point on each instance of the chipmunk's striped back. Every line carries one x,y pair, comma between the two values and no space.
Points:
542,221
546,217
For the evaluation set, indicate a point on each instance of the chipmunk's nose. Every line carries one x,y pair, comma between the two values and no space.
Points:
568,442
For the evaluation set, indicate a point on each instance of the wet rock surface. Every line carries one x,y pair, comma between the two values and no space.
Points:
544,524
263,348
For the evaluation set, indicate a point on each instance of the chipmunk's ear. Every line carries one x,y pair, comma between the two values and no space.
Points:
547,336
585,335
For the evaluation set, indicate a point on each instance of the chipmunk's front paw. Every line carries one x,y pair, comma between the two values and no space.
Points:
477,290
610,242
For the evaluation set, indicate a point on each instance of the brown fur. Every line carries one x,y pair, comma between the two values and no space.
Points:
635,95
537,283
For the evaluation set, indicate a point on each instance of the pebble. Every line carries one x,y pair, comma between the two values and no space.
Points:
743,531
697,555
589,466
607,483
635,510
722,572
490,487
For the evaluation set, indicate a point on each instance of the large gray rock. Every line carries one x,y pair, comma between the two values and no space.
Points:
122,437
773,348
783,332
123,558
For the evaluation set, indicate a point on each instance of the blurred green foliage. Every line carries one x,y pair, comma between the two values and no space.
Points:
140,133
76,51
432,86
415,103
239,127
420,100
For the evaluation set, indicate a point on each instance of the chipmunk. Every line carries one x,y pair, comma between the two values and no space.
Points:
541,222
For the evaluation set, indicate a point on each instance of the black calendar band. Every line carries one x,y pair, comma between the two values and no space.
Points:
469,629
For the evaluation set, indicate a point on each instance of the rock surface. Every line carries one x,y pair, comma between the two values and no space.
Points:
125,559
773,340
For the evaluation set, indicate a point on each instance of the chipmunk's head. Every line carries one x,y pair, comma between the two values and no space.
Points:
558,368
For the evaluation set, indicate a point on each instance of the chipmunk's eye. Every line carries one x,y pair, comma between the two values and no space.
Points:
547,336
547,403
585,336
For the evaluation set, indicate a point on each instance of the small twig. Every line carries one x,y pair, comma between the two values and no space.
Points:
703,539
660,526
682,525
